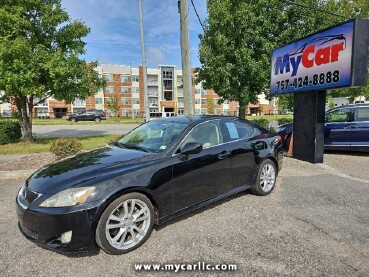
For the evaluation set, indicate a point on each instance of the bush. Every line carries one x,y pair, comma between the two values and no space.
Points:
64,147
262,122
10,131
284,120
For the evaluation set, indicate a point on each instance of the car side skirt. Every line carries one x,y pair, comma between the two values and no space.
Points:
203,204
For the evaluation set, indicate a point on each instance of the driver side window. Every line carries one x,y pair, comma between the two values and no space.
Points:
342,115
208,134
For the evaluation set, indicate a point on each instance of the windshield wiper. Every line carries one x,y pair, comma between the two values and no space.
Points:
136,147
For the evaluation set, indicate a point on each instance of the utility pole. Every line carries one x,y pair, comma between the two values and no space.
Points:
186,58
144,67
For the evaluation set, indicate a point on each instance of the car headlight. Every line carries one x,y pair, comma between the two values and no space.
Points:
68,197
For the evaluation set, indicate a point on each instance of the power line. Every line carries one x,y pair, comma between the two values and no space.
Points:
198,17
316,9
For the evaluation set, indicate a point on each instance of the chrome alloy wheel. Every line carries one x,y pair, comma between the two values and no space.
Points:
128,224
267,177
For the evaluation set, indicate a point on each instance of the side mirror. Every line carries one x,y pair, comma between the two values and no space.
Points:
191,148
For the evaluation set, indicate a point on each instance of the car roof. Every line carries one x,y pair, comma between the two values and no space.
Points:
195,118
349,106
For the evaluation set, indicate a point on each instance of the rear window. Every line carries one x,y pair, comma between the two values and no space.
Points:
362,114
238,130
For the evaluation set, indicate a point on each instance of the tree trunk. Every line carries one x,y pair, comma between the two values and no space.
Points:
25,120
241,111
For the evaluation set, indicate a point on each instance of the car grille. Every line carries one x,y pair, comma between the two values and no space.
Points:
29,233
26,197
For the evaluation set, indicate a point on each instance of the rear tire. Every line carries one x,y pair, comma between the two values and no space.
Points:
265,182
125,224
73,119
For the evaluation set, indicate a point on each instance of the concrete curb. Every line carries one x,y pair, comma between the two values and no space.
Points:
16,174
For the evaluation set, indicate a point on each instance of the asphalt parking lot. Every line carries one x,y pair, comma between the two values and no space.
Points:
315,223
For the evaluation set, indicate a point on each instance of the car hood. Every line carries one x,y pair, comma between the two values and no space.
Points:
85,169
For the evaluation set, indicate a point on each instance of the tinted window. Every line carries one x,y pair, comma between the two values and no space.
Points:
342,115
362,114
238,130
208,134
154,136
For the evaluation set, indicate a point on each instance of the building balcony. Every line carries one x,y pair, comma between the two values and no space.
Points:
152,82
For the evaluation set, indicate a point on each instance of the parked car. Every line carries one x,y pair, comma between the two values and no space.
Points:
345,128
111,197
88,115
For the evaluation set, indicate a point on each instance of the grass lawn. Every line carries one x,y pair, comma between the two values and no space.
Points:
63,121
42,145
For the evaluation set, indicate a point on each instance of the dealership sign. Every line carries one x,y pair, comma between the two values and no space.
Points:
324,60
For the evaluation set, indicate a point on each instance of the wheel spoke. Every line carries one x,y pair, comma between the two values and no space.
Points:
139,213
124,236
139,230
133,203
133,235
125,207
116,238
115,218
114,226
146,216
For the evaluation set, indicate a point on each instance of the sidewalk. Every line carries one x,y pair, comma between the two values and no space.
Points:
22,165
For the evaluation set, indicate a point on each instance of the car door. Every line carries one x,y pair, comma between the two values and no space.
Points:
239,135
205,175
338,128
360,129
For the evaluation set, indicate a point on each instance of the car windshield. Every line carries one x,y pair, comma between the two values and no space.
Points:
154,136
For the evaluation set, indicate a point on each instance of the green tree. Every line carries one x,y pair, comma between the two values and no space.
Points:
239,36
39,49
113,105
210,105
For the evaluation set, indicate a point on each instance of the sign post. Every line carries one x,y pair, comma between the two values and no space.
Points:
333,58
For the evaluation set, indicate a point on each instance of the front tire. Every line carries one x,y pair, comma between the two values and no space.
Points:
97,119
125,224
265,182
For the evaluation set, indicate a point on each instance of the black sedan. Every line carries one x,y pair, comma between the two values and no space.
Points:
111,197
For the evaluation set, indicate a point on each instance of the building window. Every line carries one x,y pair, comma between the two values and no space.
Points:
198,111
167,74
225,101
123,79
136,112
125,112
153,102
135,90
226,111
204,91
197,91
110,89
197,101
100,75
124,89
109,77
125,101
135,100
98,101
135,78
79,102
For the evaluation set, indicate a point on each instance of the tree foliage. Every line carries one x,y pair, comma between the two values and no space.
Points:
239,36
39,49
113,105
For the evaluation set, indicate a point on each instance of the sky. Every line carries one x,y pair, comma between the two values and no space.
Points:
115,30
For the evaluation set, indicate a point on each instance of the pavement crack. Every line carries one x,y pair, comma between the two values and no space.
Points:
337,239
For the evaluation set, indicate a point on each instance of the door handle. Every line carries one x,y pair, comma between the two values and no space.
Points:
223,155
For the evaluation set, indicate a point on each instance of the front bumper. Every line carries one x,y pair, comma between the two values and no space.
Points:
44,226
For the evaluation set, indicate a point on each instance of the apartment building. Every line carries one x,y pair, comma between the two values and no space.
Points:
124,84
